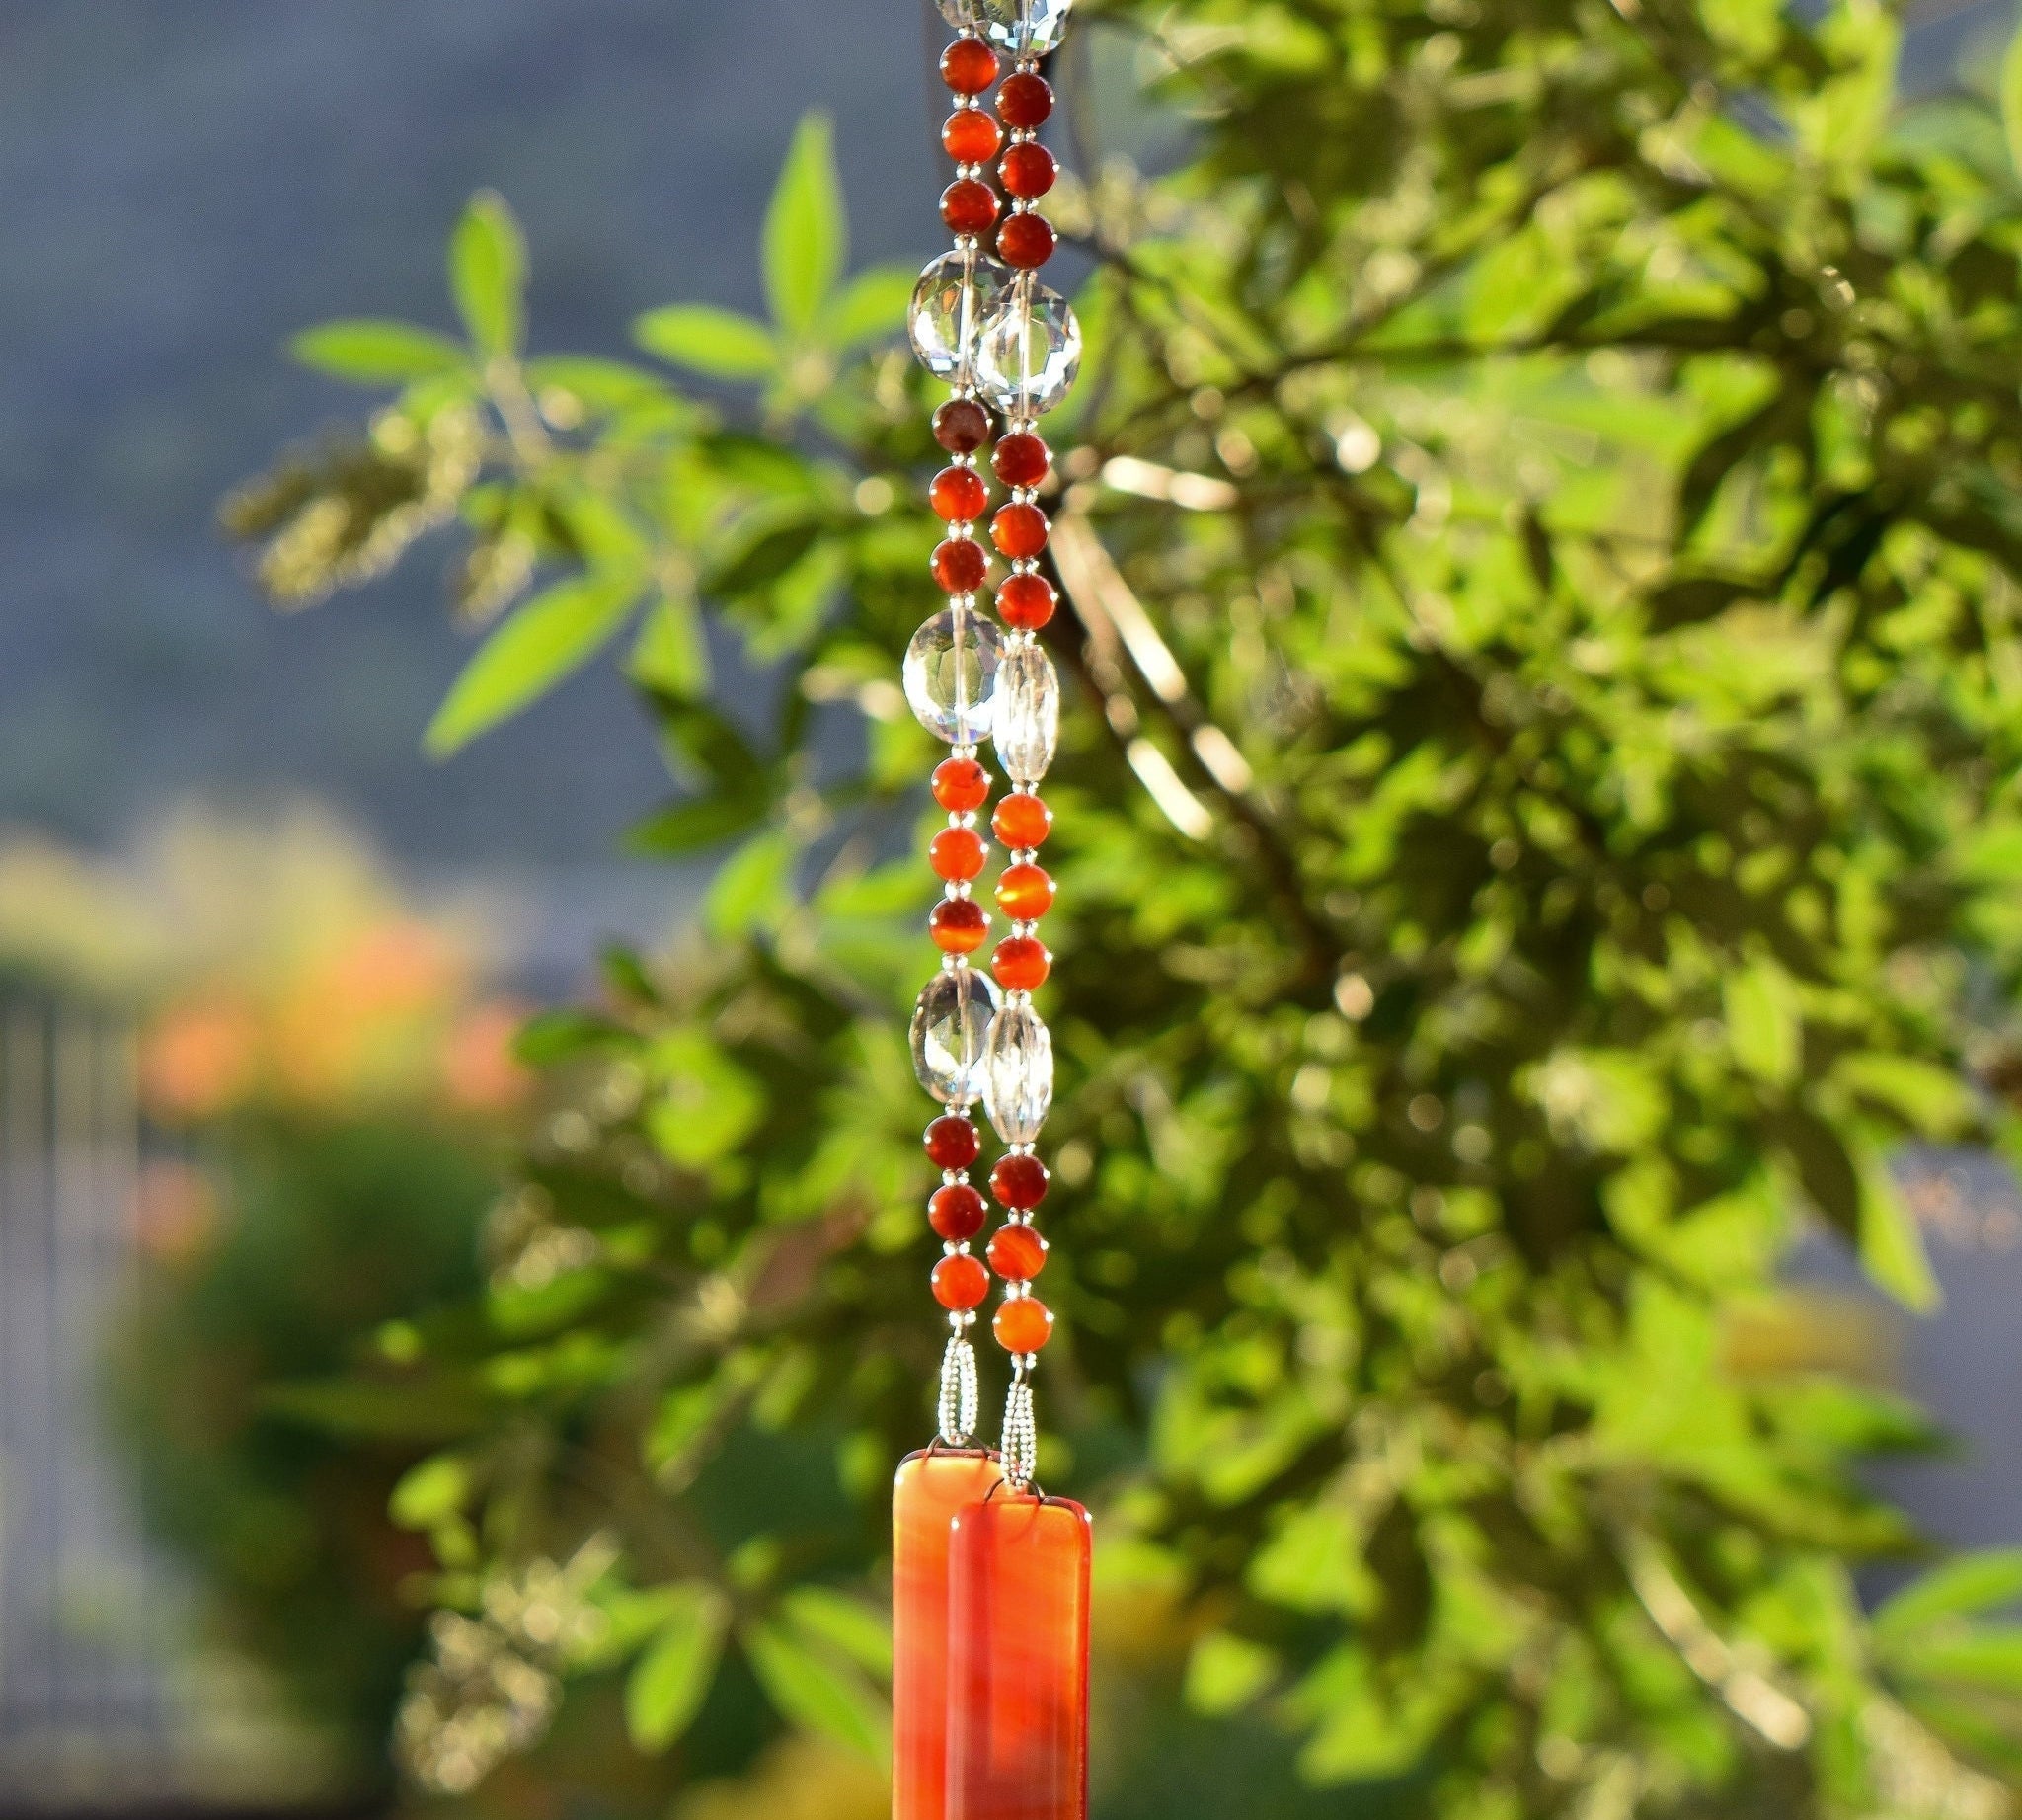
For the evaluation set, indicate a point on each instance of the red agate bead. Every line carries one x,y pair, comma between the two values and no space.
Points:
1024,102
1020,531
1022,822
959,494
961,426
957,1213
959,853
1029,171
961,1283
962,784
1021,964
968,66
959,925
970,206
961,565
1017,1253
1026,240
1027,601
1023,1325
1025,893
1019,1181
952,1142
972,136
1022,459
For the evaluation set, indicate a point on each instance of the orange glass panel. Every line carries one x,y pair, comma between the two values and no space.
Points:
1018,1661
932,1489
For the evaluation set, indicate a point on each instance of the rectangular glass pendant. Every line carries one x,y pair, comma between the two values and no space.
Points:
933,1489
1018,1661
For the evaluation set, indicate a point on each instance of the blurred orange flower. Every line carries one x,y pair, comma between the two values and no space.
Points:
480,1071
200,1059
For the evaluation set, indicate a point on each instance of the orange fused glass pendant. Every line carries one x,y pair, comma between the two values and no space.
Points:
932,1489
1018,1661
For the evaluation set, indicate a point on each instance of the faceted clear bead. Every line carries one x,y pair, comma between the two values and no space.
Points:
951,1028
1018,1074
1025,28
955,296
1027,712
952,668
1029,351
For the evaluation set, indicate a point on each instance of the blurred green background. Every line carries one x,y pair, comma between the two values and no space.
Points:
398,1405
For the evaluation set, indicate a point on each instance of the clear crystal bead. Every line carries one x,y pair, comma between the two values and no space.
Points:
1029,351
1027,714
1025,28
952,674
955,296
951,1028
1018,1074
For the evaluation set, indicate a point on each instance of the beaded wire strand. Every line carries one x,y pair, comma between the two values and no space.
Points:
1002,340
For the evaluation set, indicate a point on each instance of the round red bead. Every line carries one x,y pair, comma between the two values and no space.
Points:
957,1211
1027,601
1029,171
961,565
1022,822
970,206
962,784
952,1142
1022,459
961,426
1025,893
1025,100
1023,1325
1017,1253
959,925
959,494
1020,531
960,854
1020,1181
968,66
1021,964
961,1283
972,136
1026,240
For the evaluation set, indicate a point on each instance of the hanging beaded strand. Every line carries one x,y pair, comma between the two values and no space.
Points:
951,673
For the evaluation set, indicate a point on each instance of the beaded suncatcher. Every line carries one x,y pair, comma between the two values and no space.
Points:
990,1575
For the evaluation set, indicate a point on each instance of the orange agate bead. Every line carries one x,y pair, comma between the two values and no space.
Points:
1022,822
962,784
961,1283
1025,893
972,136
1017,1255
1027,601
1021,964
960,853
1020,531
1023,1325
968,66
959,925
959,494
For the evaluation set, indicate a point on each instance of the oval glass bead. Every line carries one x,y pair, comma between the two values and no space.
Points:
951,1030
956,296
1018,1074
1025,28
1028,351
953,674
1025,713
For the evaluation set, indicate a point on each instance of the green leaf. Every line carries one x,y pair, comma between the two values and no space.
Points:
705,821
1892,1247
717,344
430,1492
1225,1673
754,887
872,306
1963,1588
821,1616
488,274
818,1693
1765,1024
2011,101
672,655
806,240
666,1688
376,352
552,635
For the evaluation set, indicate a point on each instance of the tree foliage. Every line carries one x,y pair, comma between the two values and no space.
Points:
1538,827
